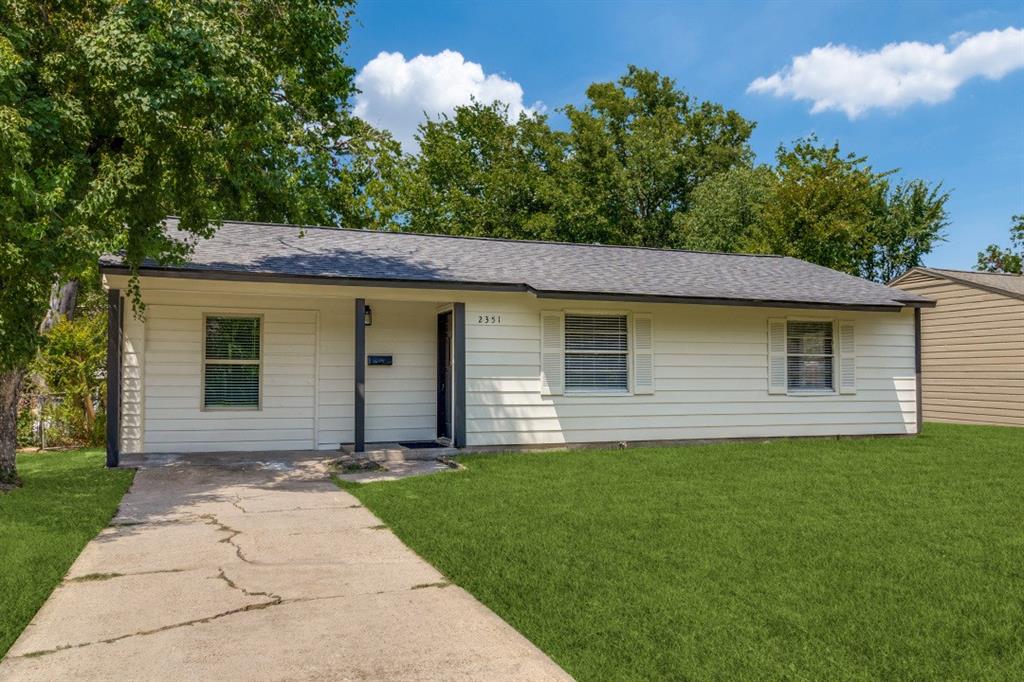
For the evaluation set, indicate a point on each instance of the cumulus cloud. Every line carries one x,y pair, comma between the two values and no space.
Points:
839,78
396,92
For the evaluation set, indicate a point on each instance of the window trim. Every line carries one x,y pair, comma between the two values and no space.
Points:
203,407
813,393
629,354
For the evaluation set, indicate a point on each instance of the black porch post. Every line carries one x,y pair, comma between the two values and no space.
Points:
459,322
360,367
115,322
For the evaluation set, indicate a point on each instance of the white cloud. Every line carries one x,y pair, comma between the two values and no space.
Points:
395,92
836,77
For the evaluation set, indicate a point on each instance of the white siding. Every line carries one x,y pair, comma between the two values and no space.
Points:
337,396
133,358
710,373
174,418
711,369
401,400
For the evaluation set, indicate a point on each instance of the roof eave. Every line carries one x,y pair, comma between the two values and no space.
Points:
959,280
202,274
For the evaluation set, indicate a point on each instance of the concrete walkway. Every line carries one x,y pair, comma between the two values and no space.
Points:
227,569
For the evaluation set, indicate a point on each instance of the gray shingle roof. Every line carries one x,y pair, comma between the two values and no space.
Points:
1012,285
550,269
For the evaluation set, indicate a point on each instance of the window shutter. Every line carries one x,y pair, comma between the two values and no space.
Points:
552,352
777,355
847,357
643,353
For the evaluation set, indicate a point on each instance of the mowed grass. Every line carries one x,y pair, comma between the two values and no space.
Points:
68,497
888,558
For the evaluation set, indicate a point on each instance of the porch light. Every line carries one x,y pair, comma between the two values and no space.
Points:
367,316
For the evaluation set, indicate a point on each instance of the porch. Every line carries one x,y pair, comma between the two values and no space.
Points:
380,374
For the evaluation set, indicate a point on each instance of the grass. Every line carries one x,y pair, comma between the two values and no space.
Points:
67,498
806,559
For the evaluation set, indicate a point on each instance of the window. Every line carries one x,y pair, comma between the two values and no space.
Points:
231,363
810,357
596,353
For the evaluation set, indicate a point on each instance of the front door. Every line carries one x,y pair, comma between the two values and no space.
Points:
444,375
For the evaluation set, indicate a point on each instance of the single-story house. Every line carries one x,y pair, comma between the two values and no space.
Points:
972,345
276,337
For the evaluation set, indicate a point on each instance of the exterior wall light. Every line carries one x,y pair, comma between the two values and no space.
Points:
367,316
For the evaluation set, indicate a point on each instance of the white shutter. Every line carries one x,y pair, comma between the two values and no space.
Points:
552,352
643,353
777,355
847,357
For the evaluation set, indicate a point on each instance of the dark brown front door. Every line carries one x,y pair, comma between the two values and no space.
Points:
444,375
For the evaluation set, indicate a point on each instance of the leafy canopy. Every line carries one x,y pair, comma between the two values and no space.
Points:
1010,259
641,163
115,114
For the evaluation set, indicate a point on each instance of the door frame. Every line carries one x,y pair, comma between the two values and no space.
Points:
445,420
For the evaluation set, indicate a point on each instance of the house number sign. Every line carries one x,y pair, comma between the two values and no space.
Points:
488,319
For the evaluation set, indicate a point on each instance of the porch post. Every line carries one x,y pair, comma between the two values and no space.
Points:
115,323
360,373
459,349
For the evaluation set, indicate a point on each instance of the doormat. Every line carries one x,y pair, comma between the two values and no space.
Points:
420,444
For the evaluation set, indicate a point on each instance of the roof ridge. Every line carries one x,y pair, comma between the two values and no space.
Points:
333,228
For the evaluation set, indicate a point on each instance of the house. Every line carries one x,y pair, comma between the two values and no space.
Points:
275,337
972,345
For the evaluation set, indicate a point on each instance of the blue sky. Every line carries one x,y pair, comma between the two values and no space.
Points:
973,141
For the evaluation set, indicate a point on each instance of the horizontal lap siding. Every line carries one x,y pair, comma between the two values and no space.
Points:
401,399
174,418
336,377
972,353
133,361
710,380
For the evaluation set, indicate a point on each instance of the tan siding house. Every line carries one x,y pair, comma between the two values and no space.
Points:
972,345
275,339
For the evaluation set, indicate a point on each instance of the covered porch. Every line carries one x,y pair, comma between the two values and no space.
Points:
368,371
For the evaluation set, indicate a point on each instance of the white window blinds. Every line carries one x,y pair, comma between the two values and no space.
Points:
231,363
596,353
810,356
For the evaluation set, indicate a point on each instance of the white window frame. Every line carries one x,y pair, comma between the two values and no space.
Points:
258,362
835,359
629,353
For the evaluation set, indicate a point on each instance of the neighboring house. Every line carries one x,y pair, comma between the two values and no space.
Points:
972,345
272,339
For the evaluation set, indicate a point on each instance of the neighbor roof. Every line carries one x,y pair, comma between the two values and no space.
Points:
274,252
999,282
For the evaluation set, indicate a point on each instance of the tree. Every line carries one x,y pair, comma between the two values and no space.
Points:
821,205
997,259
624,170
910,219
636,152
114,114
479,174
726,208
70,363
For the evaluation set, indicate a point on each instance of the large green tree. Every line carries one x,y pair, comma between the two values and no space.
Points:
116,113
638,149
624,170
821,205
1009,259
478,173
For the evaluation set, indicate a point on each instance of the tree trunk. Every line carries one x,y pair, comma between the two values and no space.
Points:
10,387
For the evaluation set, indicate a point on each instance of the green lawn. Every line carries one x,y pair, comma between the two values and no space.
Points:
68,497
810,559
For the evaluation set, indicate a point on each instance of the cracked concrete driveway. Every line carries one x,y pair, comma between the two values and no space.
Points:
221,568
